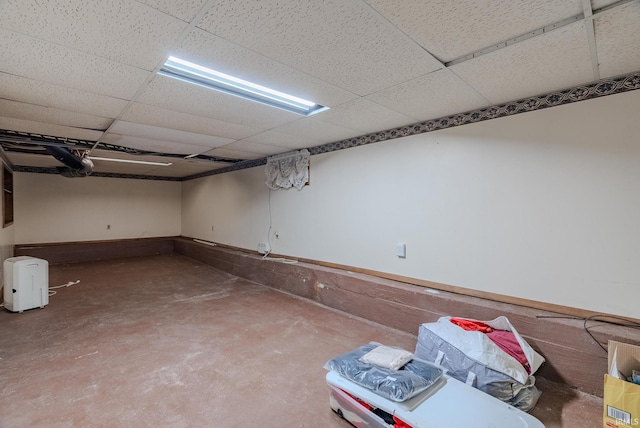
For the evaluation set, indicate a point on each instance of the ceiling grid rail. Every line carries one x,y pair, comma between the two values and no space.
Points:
591,38
185,33
588,15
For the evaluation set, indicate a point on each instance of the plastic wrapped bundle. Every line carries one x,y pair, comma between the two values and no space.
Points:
471,357
396,385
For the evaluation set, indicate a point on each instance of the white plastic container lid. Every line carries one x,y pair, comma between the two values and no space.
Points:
451,404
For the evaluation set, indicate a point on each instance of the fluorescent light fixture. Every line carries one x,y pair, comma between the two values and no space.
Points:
202,76
130,161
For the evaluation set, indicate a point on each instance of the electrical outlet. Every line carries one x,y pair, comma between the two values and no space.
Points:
401,250
264,248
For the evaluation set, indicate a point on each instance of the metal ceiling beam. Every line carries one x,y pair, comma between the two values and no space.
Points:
5,159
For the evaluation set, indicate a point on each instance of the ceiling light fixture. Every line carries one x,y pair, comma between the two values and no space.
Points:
198,75
130,161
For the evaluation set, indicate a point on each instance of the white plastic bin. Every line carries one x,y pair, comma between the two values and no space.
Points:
449,404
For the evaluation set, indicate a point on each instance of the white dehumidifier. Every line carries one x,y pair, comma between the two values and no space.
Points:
26,283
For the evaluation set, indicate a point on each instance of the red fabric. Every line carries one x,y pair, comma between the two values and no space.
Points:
359,401
470,325
399,423
507,341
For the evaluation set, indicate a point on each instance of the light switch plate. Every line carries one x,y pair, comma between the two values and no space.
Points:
401,250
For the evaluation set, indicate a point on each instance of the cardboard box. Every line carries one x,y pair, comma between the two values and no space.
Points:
621,398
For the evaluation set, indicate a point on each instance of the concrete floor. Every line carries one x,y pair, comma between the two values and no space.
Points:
167,341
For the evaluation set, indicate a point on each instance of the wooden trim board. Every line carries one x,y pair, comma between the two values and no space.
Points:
69,252
496,297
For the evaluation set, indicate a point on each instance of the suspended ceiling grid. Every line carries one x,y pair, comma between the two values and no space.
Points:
88,70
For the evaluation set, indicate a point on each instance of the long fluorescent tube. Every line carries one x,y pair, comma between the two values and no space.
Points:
198,75
130,161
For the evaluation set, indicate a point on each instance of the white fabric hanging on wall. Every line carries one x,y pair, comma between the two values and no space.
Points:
288,170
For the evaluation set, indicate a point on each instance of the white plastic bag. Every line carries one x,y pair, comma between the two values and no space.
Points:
472,357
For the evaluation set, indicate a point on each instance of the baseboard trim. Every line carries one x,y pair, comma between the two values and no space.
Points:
496,297
84,251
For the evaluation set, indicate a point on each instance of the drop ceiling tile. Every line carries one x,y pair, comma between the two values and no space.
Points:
18,110
166,134
233,154
345,43
437,94
98,152
158,116
184,9
179,167
120,30
176,95
106,166
43,159
248,146
452,29
599,4
41,60
200,164
219,54
365,116
273,138
185,170
48,95
121,168
312,128
151,145
553,61
49,129
618,40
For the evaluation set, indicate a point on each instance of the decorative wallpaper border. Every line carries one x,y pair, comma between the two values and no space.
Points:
601,88
597,89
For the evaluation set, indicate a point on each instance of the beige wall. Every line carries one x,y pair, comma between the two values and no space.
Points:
542,205
52,208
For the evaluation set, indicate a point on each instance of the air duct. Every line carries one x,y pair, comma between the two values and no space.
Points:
76,165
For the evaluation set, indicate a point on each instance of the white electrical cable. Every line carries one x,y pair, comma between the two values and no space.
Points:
266,255
68,284
269,231
200,241
52,293
281,259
